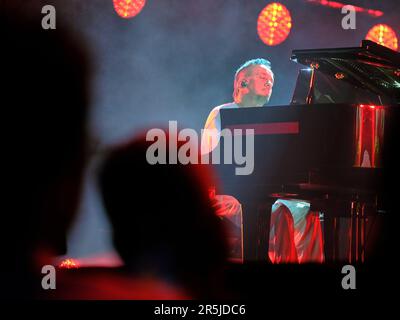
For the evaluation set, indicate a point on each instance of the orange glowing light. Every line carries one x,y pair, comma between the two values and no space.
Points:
68,264
383,35
274,24
128,8
339,75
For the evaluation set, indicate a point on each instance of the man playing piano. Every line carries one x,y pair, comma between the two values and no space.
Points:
295,231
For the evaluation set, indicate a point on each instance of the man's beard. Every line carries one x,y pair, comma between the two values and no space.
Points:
262,100
255,101
268,97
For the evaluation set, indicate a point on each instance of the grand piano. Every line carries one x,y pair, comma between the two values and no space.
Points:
334,146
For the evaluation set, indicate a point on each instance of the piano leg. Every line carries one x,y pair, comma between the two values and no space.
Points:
263,230
336,228
362,234
330,236
249,227
358,226
256,226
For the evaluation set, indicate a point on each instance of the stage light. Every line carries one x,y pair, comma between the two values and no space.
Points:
128,8
384,35
274,24
69,264
339,5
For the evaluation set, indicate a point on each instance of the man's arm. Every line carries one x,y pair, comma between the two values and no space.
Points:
211,132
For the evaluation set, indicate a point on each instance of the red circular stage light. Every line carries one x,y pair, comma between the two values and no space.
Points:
274,24
128,8
384,35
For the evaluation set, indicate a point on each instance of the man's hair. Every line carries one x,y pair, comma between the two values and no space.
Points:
247,64
258,61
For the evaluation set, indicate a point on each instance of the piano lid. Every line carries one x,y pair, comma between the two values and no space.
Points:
371,66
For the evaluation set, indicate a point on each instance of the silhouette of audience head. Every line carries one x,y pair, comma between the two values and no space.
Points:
44,106
162,218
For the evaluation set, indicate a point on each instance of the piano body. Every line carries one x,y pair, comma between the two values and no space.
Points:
334,145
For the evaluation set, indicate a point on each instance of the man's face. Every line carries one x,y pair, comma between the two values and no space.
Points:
260,81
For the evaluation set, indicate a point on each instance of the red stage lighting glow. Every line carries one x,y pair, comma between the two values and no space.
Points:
370,106
369,135
339,5
128,8
68,264
384,35
274,24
